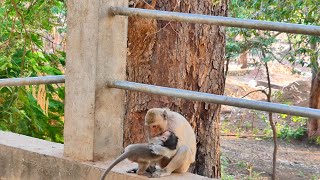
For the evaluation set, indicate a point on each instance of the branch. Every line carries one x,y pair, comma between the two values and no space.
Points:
12,29
19,14
273,127
46,38
25,37
277,34
258,70
274,56
290,43
7,42
259,90
31,5
226,72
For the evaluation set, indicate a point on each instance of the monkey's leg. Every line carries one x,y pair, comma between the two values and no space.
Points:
180,163
164,162
181,159
151,169
142,168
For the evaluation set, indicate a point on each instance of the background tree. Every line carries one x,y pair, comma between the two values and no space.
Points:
29,47
181,55
303,49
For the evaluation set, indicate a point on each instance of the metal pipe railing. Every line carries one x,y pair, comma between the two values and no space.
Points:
32,80
218,20
217,99
179,93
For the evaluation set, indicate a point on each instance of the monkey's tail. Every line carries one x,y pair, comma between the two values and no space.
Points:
122,157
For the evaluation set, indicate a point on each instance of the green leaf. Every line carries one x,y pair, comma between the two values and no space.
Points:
51,70
37,40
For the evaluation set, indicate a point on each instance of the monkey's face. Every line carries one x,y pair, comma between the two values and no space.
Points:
170,140
156,122
155,130
165,136
158,126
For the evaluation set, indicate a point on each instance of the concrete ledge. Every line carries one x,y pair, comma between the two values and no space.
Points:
23,157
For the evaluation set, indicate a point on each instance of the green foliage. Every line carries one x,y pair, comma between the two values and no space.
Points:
242,164
26,49
260,42
298,49
255,176
224,165
288,132
317,140
294,129
315,177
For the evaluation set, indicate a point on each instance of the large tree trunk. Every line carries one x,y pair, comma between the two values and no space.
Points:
314,124
243,59
181,55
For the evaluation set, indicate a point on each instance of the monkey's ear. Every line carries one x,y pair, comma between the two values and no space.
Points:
165,115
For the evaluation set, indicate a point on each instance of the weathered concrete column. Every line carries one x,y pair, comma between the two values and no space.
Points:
96,51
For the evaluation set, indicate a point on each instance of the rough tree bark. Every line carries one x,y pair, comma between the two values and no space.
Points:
314,124
181,55
243,59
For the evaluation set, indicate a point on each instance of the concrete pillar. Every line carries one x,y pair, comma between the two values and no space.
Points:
96,51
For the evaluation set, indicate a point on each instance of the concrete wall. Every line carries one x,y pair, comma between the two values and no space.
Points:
96,52
27,158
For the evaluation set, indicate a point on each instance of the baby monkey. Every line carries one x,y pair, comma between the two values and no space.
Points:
144,156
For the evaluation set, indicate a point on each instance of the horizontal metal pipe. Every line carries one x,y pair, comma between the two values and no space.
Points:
32,80
217,99
218,20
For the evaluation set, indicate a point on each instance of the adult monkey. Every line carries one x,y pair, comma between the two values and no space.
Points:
159,120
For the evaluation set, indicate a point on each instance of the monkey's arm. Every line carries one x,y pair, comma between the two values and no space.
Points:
179,163
161,150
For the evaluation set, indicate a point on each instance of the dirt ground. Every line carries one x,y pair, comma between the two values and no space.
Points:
251,157
296,160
